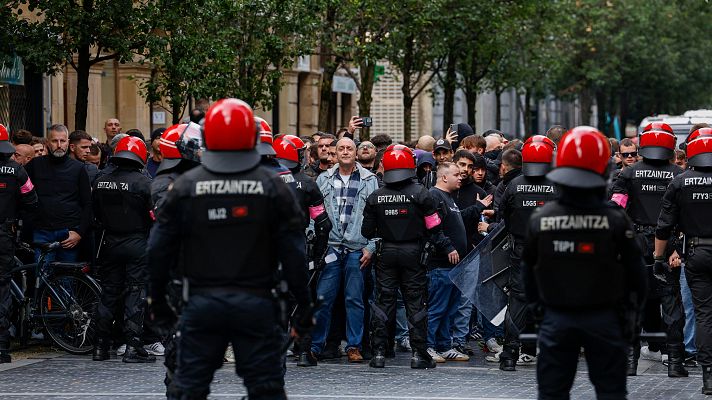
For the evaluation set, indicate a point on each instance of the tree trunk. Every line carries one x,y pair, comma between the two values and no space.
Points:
82,99
498,107
327,79
449,88
585,98
527,111
471,97
407,113
368,72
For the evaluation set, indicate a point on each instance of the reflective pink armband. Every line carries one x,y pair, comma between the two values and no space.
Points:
433,220
316,211
27,187
620,199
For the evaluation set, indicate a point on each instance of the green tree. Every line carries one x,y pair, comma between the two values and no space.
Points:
81,34
415,50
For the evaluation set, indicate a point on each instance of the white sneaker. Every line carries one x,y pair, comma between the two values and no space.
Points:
404,345
454,355
155,349
494,358
493,346
435,355
526,359
229,355
121,350
646,354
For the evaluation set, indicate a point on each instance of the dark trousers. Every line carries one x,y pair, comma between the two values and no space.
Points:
561,336
666,294
123,279
698,272
7,254
400,268
208,324
517,315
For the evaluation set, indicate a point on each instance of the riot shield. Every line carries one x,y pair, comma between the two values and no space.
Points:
482,275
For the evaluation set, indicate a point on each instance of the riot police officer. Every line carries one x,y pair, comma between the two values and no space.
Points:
639,189
685,204
180,148
401,213
122,207
234,222
289,149
17,195
523,195
579,266
266,150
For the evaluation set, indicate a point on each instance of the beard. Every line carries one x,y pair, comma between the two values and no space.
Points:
59,153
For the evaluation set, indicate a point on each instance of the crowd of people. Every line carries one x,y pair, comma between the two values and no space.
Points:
382,282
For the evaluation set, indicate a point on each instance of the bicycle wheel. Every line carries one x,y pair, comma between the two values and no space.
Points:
66,310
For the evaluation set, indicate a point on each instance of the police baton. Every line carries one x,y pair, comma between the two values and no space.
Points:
647,336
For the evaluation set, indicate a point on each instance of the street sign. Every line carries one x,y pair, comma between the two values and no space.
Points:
380,71
343,84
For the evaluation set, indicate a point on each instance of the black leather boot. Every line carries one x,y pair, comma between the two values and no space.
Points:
633,356
5,356
101,350
508,358
378,359
707,380
422,360
676,361
306,359
135,353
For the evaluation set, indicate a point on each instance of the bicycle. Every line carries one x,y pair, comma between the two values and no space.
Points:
64,300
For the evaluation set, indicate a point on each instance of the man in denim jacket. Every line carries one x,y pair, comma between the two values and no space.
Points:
345,187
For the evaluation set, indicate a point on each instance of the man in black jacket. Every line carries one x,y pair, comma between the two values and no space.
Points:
64,192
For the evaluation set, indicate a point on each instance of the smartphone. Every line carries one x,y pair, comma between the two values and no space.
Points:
453,128
366,122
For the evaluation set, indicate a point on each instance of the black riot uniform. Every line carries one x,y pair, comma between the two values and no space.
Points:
581,266
523,196
17,195
686,205
122,207
233,222
401,213
643,185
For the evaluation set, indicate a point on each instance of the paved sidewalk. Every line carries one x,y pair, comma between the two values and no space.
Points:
49,376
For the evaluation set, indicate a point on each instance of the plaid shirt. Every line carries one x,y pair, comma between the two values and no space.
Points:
345,194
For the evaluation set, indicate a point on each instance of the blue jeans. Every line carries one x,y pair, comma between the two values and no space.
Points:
489,330
443,302
461,321
689,314
346,266
49,236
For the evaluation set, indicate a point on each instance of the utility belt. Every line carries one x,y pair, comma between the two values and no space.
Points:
698,241
220,290
646,230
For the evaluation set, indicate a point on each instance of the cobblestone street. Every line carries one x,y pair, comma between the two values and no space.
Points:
52,376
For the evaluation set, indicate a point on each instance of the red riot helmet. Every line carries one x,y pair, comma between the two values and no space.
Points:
286,152
167,144
229,137
658,126
180,142
699,152
299,143
697,133
264,134
657,145
582,159
537,155
5,146
398,163
132,148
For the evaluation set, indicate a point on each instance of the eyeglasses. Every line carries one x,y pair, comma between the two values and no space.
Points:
366,145
631,154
